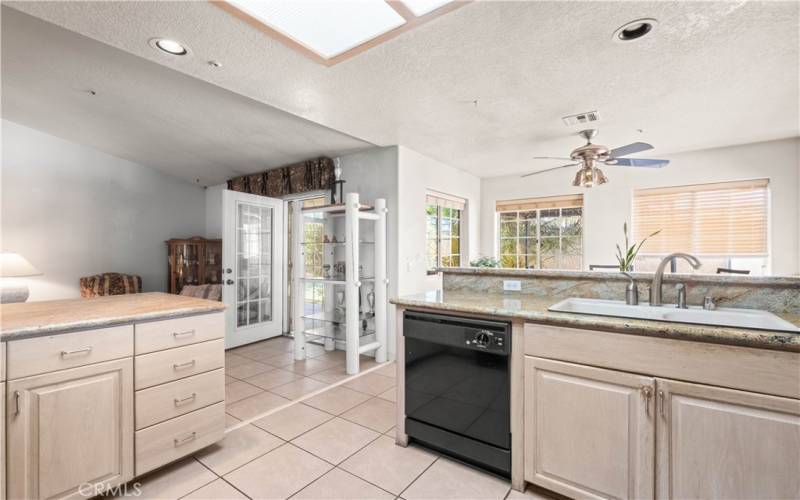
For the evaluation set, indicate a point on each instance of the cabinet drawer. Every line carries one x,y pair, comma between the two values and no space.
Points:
160,335
173,399
181,436
173,364
69,350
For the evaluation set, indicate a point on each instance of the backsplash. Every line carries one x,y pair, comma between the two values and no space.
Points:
776,294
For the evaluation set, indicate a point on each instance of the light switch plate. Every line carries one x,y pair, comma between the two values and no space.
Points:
512,285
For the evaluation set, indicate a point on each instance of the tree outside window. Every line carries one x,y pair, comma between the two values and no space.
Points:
541,238
443,236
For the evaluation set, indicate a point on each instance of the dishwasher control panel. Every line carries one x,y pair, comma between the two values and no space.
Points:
486,340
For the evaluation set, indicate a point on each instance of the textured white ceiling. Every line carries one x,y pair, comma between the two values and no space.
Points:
144,111
712,74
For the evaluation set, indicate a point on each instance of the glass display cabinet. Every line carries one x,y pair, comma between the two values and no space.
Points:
193,261
339,278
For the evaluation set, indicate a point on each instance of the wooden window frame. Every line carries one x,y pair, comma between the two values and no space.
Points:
439,254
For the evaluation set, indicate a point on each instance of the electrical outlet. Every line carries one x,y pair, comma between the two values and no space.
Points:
512,285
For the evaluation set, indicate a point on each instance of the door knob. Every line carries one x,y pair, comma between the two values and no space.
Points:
229,282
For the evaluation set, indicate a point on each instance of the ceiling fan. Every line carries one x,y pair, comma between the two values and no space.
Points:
589,155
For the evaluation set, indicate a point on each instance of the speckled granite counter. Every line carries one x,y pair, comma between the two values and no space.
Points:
33,319
532,308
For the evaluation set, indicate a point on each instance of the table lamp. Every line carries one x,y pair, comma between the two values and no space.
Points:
13,265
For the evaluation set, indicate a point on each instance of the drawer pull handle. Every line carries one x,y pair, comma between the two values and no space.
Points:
181,334
179,402
85,350
181,366
186,439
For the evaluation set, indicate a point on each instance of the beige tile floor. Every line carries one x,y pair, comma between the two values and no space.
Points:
262,376
338,444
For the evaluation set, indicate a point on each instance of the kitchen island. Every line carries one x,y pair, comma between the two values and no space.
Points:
616,407
99,391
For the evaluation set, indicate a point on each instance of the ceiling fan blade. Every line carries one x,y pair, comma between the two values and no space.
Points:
629,149
637,162
549,169
550,158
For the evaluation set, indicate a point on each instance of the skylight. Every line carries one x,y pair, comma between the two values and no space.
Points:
325,27
422,7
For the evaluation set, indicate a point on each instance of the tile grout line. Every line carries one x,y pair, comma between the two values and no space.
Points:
289,441
438,456
303,398
204,484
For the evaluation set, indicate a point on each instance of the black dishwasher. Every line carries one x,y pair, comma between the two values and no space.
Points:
457,387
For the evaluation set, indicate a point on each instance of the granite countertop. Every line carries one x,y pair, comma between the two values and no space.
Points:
720,279
33,319
534,309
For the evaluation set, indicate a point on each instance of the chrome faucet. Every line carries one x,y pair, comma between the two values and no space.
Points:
655,287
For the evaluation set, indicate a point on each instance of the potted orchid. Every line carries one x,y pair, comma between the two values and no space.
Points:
627,258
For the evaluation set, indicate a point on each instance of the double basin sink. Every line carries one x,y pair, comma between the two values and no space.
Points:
722,316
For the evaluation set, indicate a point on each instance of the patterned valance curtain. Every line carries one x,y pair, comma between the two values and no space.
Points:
310,175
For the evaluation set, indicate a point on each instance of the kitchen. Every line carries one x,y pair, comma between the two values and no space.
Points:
418,249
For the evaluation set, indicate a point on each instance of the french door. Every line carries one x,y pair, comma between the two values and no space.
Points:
252,255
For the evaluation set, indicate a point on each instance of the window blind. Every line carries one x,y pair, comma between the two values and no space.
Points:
524,204
445,200
727,218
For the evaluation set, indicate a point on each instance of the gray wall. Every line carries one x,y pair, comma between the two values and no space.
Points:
74,211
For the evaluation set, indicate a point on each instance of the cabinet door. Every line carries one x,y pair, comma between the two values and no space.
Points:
589,432
70,428
723,443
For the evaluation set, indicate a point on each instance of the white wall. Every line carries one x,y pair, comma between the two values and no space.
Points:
608,206
74,211
418,174
214,210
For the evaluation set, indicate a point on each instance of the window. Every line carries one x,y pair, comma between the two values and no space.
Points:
723,223
541,233
444,216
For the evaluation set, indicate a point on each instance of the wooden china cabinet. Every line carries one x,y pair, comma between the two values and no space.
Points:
194,261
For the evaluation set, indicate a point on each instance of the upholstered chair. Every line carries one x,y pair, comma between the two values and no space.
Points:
110,284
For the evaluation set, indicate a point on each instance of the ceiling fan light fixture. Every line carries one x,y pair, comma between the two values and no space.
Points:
589,177
600,177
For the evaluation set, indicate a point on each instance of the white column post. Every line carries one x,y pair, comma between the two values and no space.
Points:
381,282
329,291
353,281
298,286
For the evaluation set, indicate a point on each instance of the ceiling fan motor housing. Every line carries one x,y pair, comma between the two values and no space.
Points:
590,151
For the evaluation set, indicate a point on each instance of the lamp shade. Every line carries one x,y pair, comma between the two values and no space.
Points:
13,265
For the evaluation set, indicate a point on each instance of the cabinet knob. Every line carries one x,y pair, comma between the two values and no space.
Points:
229,282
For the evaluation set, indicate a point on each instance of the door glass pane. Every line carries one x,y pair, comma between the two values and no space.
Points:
254,264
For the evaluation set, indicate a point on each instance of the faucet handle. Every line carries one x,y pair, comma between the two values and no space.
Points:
709,304
681,288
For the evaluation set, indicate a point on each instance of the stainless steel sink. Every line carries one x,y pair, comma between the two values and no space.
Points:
722,316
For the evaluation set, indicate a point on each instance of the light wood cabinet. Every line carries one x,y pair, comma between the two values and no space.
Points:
589,432
723,443
68,428
631,432
2,441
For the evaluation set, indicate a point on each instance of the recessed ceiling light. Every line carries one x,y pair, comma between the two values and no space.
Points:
169,46
635,30
326,28
422,7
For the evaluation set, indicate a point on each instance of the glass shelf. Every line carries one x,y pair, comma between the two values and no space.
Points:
333,317
336,332
334,243
338,280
